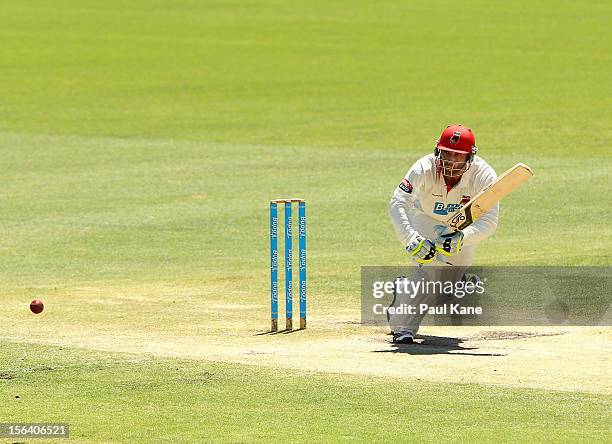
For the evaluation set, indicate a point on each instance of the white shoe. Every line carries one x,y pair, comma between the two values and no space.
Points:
403,337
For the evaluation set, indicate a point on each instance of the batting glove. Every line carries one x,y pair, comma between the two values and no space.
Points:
422,250
449,244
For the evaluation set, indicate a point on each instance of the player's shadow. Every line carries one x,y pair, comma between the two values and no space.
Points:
278,332
435,345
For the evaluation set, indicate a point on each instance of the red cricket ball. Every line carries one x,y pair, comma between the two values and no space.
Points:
37,306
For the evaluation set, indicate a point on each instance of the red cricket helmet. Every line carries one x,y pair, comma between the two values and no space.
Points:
458,139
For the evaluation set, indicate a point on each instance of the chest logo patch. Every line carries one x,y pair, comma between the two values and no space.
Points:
440,208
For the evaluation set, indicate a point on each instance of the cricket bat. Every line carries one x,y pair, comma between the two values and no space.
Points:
490,196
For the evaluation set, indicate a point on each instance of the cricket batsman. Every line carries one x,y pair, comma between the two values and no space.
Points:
434,188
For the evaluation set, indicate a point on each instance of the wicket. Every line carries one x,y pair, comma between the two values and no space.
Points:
288,261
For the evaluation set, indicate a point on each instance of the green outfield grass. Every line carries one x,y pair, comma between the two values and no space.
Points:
136,398
141,141
529,77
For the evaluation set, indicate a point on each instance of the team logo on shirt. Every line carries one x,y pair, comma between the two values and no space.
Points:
406,186
440,208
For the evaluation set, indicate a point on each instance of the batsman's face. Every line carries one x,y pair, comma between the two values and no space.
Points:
453,164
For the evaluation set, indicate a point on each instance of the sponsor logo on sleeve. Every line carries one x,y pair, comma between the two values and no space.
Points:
406,186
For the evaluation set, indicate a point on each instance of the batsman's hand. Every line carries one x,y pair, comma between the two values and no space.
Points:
448,243
421,250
